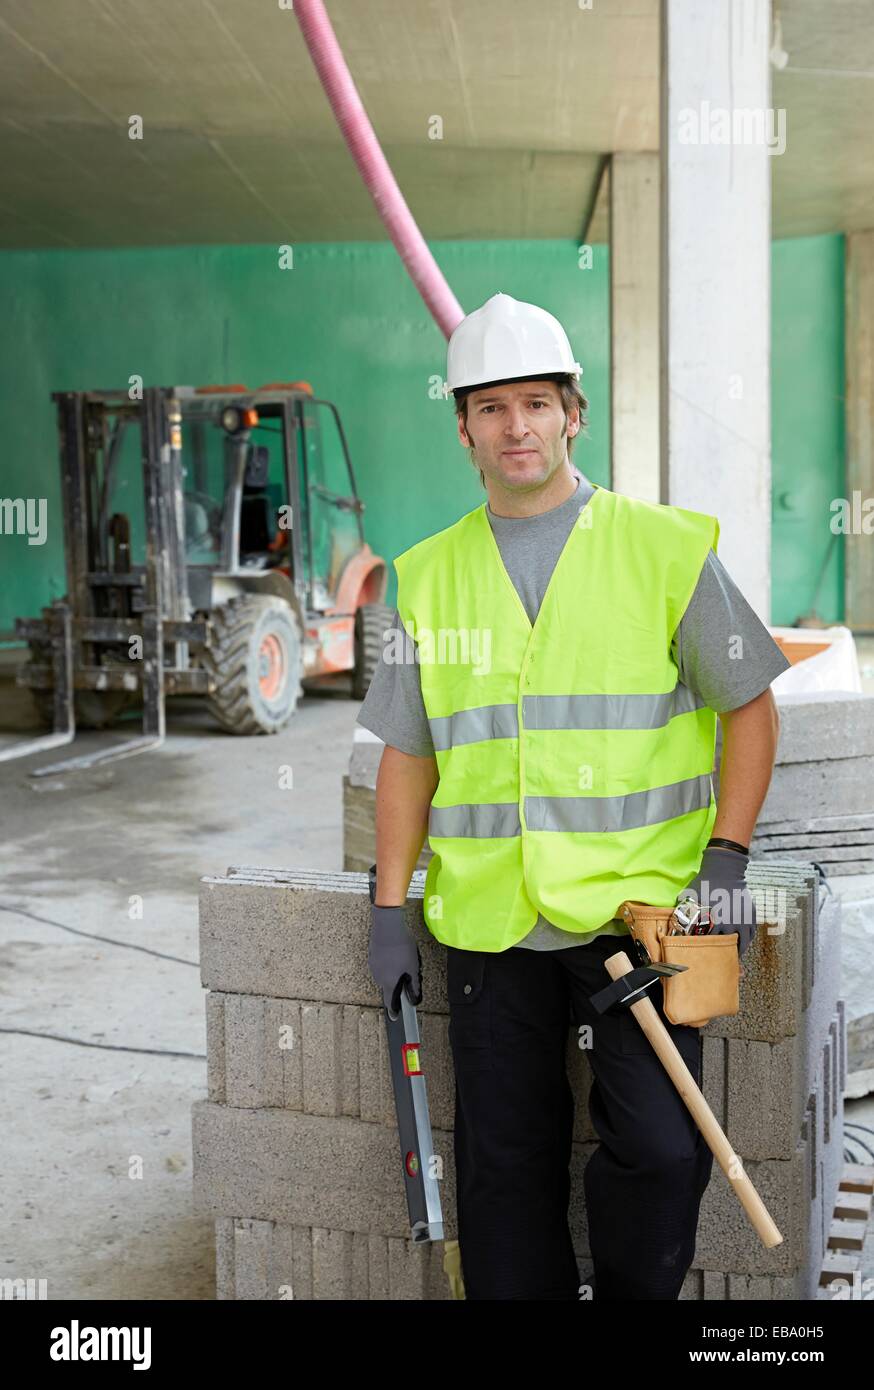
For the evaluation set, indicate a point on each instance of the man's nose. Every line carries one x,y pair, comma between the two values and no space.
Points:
516,425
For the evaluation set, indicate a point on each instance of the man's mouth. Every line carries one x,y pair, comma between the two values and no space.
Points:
520,451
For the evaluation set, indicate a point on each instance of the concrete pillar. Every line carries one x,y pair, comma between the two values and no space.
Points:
634,325
859,348
716,132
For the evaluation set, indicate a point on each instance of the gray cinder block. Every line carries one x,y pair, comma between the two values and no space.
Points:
303,937
827,726
296,1151
267,1260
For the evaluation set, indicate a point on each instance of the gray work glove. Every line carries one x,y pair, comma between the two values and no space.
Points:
722,872
394,957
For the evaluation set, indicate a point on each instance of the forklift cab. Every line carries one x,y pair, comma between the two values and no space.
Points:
267,484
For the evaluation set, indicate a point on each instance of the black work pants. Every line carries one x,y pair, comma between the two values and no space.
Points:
510,1015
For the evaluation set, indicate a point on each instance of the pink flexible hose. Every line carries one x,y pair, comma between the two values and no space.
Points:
380,181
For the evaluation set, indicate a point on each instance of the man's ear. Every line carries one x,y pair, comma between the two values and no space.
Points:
463,434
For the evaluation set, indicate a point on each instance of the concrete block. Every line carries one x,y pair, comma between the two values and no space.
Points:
255,1056
332,1264
714,1075
215,1047
296,1151
268,937
350,1098
283,1053
261,1260
726,1239
267,1260
765,1103
244,1050
225,1286
252,1270
375,1088
819,787
826,726
763,1287
338,1174
331,1172
322,1047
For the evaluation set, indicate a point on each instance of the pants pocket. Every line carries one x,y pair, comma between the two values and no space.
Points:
632,1038
470,1032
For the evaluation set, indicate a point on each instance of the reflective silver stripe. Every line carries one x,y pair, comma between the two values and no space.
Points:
607,711
474,725
607,813
482,822
573,813
562,712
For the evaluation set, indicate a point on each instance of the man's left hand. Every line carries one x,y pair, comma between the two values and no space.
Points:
721,886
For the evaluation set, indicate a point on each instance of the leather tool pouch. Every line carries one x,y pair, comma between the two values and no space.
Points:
708,988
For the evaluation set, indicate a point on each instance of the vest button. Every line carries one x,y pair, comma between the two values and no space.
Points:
468,988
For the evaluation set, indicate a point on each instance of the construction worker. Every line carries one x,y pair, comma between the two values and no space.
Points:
548,699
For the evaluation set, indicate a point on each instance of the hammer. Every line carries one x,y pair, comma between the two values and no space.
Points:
645,1012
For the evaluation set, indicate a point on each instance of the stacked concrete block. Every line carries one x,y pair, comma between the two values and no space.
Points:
774,1076
296,1150
819,805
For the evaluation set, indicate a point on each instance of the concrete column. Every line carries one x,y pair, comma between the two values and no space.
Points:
634,325
859,349
716,132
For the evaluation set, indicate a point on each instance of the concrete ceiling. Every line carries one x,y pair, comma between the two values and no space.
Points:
239,143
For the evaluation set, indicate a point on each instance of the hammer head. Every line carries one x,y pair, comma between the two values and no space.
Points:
624,991
658,968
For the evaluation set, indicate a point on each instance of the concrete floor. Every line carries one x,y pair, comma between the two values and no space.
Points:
97,1142
75,1120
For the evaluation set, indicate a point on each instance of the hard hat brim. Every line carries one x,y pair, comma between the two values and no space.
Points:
511,380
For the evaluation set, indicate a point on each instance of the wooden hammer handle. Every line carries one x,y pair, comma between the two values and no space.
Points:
647,1016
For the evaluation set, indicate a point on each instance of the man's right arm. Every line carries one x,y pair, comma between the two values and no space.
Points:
405,785
408,775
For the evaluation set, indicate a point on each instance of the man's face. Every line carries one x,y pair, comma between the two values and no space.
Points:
518,432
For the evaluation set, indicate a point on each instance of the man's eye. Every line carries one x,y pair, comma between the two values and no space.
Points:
538,402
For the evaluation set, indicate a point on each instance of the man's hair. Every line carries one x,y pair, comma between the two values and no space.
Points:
571,396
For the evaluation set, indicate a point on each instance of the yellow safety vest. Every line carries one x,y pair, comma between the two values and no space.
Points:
575,767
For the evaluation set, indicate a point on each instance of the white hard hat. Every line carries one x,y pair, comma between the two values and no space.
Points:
505,340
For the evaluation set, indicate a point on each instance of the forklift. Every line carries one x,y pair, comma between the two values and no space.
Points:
214,546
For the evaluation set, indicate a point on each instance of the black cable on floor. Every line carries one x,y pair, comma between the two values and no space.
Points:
104,1047
92,936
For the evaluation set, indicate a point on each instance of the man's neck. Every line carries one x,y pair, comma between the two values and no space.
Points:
505,502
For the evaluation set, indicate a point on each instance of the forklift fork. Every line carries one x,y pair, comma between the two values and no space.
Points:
153,708
63,666
64,731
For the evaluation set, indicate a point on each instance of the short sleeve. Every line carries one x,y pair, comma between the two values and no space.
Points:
393,708
724,652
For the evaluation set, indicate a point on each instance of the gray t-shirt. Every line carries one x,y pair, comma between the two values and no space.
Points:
716,616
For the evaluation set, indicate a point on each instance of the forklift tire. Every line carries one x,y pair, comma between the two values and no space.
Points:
371,621
254,657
